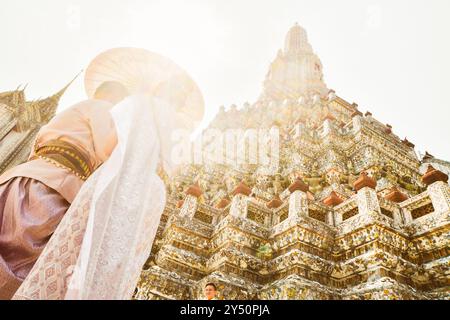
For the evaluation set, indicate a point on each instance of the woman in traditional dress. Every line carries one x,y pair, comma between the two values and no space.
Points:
101,244
34,196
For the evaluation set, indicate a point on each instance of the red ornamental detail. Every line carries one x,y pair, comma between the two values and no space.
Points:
242,188
180,204
396,196
329,116
194,190
299,185
408,143
222,204
275,203
333,200
357,113
433,175
388,129
364,181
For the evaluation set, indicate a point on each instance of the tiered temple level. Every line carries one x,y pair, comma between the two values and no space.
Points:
348,215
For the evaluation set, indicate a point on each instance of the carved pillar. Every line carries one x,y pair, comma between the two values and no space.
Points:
337,218
332,200
330,218
366,195
368,201
440,196
298,199
357,124
239,206
395,195
398,221
329,127
298,204
298,130
438,188
407,216
189,207
190,204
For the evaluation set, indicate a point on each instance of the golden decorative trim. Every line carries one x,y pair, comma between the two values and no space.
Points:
63,154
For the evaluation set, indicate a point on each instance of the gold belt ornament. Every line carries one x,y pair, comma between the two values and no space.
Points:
65,155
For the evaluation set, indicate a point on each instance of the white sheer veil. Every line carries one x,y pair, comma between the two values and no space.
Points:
125,198
104,239
100,246
127,202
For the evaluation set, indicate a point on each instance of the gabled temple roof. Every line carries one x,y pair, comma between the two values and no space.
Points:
42,110
13,98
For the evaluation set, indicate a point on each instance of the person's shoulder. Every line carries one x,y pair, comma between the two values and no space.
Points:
89,104
90,107
85,105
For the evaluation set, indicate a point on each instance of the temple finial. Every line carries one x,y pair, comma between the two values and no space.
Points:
297,41
63,90
47,107
282,83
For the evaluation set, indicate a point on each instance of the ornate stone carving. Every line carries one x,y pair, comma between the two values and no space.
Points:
345,216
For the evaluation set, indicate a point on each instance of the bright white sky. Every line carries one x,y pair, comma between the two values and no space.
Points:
389,56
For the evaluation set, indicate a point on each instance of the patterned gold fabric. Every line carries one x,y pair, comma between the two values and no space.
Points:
64,154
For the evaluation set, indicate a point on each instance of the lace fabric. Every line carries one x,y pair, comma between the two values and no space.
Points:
100,246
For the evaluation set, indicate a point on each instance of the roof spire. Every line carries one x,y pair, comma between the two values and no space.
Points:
296,41
296,71
47,107
60,93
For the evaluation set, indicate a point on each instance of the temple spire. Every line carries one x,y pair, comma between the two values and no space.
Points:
296,71
47,107
297,41
61,92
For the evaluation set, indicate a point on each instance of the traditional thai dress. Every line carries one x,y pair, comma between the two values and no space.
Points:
101,244
35,196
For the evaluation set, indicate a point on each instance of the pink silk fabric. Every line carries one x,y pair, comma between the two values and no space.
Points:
87,125
34,196
49,279
29,214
